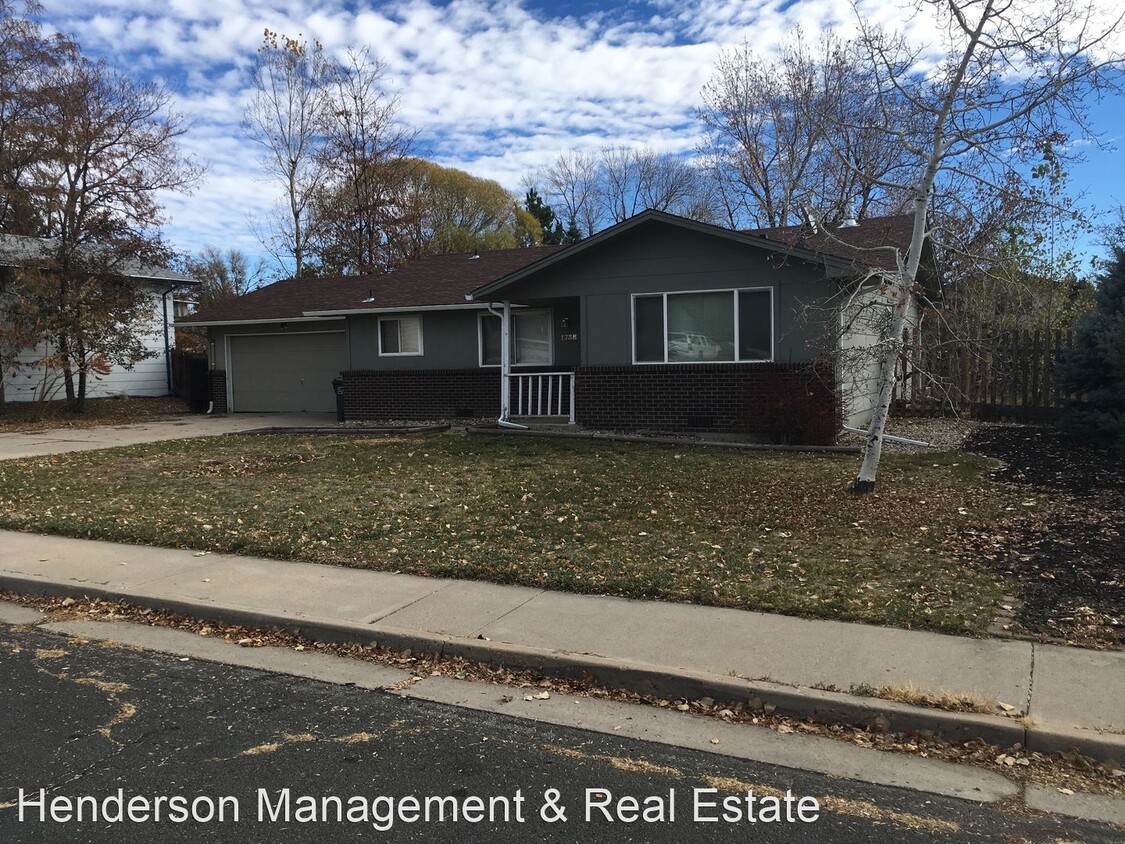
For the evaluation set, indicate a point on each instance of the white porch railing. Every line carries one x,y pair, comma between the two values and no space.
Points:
543,394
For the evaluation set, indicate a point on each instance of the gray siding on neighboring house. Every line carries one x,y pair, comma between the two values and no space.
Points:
660,258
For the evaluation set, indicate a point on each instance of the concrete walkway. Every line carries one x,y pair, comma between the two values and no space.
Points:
1071,697
61,440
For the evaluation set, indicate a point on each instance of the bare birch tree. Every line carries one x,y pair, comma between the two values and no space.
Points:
286,118
784,134
364,153
571,186
635,179
1010,77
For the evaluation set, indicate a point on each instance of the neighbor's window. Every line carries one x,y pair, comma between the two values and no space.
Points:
400,335
531,339
715,325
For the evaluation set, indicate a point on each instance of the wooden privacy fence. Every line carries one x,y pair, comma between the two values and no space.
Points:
189,378
1010,375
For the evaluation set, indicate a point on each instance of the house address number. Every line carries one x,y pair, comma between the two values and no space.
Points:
572,336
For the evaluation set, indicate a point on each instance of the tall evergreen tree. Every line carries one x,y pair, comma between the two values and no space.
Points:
1094,368
552,228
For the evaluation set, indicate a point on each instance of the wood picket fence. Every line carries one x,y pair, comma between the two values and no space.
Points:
1006,375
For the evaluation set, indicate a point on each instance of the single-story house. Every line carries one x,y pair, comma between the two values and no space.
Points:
658,323
30,378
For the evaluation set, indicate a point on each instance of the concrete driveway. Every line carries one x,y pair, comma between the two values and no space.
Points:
62,440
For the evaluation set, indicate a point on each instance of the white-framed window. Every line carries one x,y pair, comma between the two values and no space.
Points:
704,326
532,338
400,335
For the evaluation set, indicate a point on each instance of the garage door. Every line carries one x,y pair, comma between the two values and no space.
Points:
286,372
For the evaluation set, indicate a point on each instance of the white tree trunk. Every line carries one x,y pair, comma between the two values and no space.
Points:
892,346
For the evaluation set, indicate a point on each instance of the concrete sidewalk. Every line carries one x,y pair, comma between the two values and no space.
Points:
1071,697
62,440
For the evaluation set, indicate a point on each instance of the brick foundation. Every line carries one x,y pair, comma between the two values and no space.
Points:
218,382
421,393
774,402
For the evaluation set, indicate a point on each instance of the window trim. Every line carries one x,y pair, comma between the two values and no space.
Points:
734,291
379,337
515,315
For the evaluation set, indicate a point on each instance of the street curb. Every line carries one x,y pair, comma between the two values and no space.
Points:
640,678
634,438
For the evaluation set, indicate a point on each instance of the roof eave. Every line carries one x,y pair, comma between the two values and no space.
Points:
475,306
209,323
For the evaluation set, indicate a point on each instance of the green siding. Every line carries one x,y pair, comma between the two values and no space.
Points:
449,341
659,258
592,292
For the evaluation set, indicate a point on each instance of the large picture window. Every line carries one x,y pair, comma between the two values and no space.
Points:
400,335
531,339
708,326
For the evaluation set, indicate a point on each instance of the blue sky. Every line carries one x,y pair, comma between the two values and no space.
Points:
495,87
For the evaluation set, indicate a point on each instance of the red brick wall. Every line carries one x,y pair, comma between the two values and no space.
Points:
774,402
218,379
417,394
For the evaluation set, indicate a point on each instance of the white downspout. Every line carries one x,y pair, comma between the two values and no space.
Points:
506,367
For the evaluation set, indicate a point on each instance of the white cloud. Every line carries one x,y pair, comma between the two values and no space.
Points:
491,86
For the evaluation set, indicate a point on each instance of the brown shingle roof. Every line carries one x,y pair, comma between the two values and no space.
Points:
857,243
444,280
435,280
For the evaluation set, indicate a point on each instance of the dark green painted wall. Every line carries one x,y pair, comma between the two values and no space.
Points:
660,258
592,292
450,339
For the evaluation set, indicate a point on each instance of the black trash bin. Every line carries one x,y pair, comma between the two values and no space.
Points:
338,389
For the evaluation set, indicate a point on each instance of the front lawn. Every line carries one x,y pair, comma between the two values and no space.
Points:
754,530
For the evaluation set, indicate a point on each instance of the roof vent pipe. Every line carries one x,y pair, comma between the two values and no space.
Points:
370,297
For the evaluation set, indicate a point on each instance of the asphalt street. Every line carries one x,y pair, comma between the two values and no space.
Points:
106,730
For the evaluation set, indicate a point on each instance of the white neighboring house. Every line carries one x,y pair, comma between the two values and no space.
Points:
29,380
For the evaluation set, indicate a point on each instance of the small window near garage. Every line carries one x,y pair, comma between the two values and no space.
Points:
400,335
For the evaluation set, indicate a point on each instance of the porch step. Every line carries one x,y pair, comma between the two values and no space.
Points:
546,422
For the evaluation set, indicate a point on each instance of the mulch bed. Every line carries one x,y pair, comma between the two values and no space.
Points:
1070,562
22,417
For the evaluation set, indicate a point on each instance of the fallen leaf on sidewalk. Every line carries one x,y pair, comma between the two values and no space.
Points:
1065,791
540,696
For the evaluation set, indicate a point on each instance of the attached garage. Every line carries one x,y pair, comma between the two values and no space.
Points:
289,372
